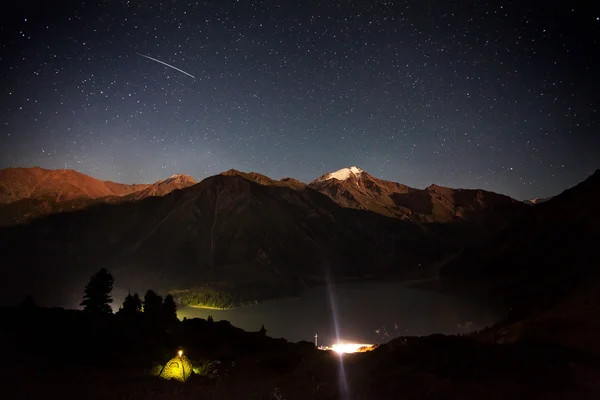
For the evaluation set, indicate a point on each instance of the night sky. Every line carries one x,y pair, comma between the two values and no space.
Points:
502,96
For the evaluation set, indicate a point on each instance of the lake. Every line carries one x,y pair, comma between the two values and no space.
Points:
365,312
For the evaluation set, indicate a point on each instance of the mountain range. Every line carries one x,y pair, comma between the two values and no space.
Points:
355,188
27,193
241,234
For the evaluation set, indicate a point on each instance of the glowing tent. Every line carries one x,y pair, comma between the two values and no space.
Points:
179,367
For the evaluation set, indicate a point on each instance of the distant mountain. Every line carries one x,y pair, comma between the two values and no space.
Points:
228,231
250,236
535,201
265,180
56,185
27,193
354,188
160,188
542,258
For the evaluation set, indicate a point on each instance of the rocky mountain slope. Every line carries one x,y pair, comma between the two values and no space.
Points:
548,255
265,180
226,231
250,235
355,188
56,185
160,188
27,193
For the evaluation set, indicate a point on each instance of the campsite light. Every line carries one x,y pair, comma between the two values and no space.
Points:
178,367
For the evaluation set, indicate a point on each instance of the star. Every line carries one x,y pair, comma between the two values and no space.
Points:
303,89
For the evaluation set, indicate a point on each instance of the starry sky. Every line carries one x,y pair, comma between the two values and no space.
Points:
499,95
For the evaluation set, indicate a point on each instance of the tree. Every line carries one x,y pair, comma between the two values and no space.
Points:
137,302
132,305
28,302
169,309
262,330
96,297
152,304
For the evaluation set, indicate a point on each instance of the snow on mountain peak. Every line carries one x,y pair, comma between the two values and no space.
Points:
345,173
536,200
178,178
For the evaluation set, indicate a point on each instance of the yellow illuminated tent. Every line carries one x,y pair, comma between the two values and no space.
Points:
178,367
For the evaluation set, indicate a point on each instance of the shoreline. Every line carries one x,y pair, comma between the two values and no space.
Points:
407,282
212,308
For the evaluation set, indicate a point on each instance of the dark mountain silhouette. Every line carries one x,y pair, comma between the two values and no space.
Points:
265,180
546,257
227,230
264,237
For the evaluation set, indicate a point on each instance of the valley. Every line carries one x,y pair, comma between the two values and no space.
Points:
240,238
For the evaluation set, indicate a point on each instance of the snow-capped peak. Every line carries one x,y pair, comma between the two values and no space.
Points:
177,178
537,200
345,173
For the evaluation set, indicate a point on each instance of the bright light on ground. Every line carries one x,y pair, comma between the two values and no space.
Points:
351,347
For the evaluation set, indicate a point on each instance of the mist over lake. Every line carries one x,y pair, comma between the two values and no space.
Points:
367,312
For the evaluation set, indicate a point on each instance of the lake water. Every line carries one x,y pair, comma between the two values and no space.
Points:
372,312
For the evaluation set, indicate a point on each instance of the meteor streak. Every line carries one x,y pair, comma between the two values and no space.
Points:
164,63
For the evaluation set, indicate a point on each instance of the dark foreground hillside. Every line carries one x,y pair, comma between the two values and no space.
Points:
53,353
550,255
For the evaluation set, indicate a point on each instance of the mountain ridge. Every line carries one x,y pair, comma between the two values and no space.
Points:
60,185
253,238
350,187
28,193
226,230
354,188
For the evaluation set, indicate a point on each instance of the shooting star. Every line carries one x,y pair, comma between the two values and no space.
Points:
164,63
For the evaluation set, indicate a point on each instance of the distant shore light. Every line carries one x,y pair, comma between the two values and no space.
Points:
342,348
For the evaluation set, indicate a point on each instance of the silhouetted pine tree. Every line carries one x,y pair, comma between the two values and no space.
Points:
137,301
132,305
28,302
96,297
152,304
169,309
262,330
